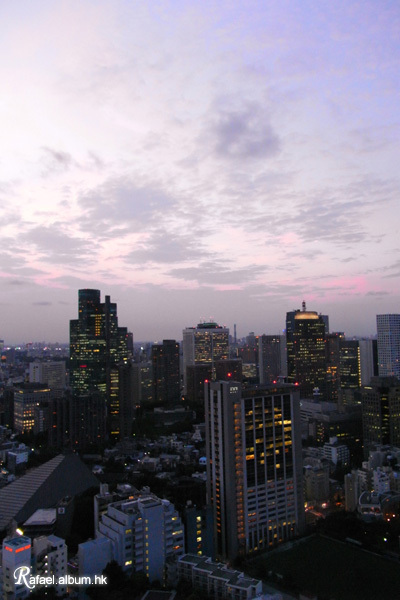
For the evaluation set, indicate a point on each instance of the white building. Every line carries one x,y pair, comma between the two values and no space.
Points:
16,553
335,452
50,558
144,532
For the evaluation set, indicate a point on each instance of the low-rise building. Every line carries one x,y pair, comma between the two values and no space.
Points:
216,579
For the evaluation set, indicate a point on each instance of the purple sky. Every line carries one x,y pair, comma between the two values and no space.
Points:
199,159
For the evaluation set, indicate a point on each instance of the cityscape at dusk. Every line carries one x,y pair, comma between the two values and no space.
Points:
200,300
199,160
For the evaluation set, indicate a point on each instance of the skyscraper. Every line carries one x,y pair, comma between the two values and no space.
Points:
254,466
166,374
380,403
204,344
388,327
97,345
270,357
306,350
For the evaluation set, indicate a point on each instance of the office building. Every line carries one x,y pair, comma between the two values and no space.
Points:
97,345
332,385
254,466
28,397
229,369
368,360
144,532
204,344
350,364
270,357
290,339
196,376
380,403
388,328
166,373
51,373
308,352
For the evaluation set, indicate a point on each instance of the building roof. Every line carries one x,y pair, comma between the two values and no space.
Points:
43,487
43,516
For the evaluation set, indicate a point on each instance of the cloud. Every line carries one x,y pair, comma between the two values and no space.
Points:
42,303
216,273
119,205
58,246
163,246
242,133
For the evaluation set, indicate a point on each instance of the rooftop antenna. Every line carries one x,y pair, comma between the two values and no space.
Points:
303,306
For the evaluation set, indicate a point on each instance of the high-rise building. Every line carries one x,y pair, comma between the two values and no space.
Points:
380,403
254,466
368,360
204,344
309,352
350,368
166,373
97,345
388,327
292,329
332,385
270,357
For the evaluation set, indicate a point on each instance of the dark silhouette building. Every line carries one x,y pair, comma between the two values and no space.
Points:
166,373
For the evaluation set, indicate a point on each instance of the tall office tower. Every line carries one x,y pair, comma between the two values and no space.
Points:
97,344
270,357
254,466
388,327
196,376
166,372
290,356
290,338
204,344
380,402
368,360
350,369
308,352
333,366
143,383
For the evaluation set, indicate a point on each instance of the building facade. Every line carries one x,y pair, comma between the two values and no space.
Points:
388,328
254,466
144,532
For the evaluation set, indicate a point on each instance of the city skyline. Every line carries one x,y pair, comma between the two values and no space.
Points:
199,160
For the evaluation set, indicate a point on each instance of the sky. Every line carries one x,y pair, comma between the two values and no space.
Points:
197,160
